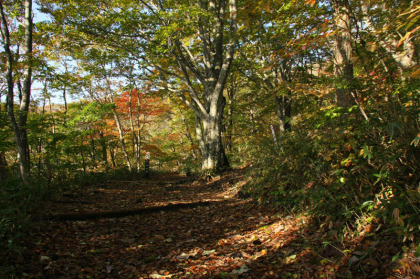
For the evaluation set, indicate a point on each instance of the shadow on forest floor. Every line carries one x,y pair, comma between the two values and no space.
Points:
223,237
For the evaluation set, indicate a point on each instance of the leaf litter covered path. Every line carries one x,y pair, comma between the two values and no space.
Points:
226,237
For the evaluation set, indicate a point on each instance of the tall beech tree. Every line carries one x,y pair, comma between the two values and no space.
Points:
203,54
19,123
187,45
343,53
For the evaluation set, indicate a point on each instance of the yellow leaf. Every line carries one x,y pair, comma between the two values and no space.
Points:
371,47
408,35
415,74
264,252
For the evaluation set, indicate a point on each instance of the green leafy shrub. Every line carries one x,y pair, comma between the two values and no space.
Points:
338,166
18,201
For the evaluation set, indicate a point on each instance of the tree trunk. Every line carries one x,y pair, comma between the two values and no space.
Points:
138,150
199,133
3,166
284,113
188,134
214,156
343,53
102,142
112,153
138,133
93,151
209,133
206,79
19,125
82,155
121,137
136,143
65,100
27,82
52,114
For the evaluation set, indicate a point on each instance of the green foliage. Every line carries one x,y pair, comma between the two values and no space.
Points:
335,163
5,132
93,112
338,166
18,203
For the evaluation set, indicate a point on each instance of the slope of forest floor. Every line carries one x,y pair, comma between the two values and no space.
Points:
215,233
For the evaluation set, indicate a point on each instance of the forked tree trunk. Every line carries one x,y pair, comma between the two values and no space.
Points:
209,133
206,79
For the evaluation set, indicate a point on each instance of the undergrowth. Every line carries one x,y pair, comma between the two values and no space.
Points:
17,202
340,168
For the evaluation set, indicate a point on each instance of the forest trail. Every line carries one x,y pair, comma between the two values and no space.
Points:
219,236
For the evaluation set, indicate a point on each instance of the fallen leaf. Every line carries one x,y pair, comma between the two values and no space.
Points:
208,252
241,270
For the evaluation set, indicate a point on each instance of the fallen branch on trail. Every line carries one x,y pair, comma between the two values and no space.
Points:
123,213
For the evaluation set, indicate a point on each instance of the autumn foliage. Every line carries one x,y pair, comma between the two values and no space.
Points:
312,107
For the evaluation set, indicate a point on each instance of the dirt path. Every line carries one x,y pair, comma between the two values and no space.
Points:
225,237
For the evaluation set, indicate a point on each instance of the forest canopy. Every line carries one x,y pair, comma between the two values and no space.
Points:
318,100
